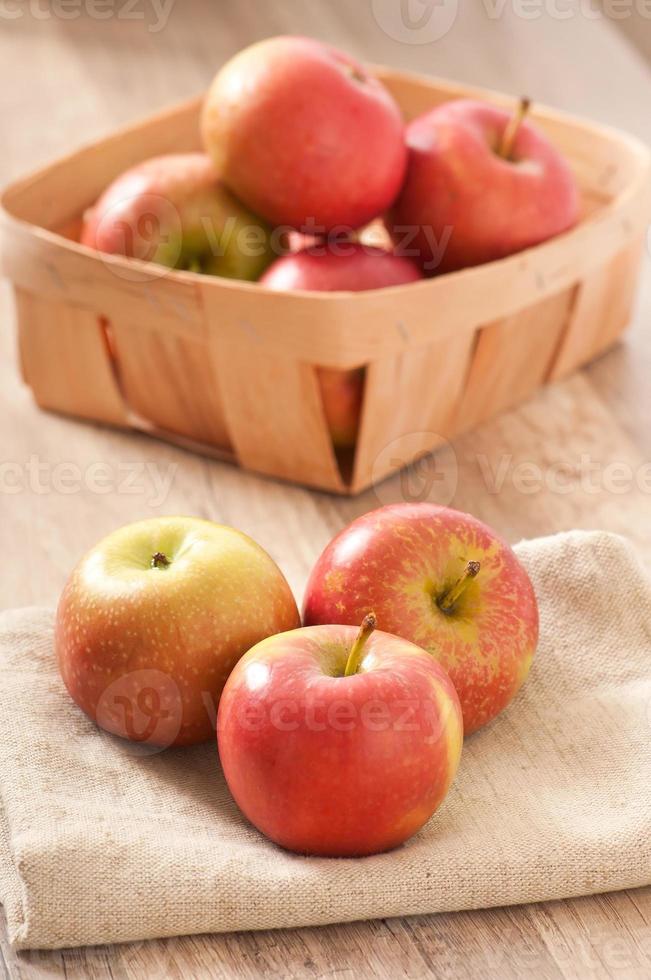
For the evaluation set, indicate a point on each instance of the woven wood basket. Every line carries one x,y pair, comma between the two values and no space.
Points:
229,368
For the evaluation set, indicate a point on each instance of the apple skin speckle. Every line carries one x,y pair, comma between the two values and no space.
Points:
145,651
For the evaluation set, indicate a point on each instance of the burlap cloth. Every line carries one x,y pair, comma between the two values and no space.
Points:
99,843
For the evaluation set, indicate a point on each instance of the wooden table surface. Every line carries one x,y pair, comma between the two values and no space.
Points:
575,456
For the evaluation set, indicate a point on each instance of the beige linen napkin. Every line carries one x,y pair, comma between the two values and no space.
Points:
102,843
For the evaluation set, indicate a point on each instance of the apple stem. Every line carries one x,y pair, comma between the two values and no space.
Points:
159,560
510,133
448,600
354,657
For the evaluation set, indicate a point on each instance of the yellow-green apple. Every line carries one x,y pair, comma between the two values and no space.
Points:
336,742
174,210
443,580
153,619
304,135
340,265
481,184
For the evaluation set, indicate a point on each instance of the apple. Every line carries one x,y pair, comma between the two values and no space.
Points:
305,135
342,395
336,742
442,580
153,619
174,210
481,184
340,265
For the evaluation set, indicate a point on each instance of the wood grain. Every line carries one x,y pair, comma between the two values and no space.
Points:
577,454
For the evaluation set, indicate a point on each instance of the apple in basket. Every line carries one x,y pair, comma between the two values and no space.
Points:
174,210
481,183
340,265
153,619
339,742
443,580
304,135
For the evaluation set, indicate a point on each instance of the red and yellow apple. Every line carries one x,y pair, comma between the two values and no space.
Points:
174,210
304,135
481,184
443,580
340,265
154,618
336,742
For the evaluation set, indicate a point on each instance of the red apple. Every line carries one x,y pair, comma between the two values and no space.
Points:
340,265
337,743
342,395
443,580
153,619
481,184
305,135
173,210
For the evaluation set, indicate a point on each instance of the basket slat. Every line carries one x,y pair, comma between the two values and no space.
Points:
601,312
168,380
64,359
274,414
434,378
505,370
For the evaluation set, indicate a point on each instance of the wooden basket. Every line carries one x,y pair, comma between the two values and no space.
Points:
229,368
